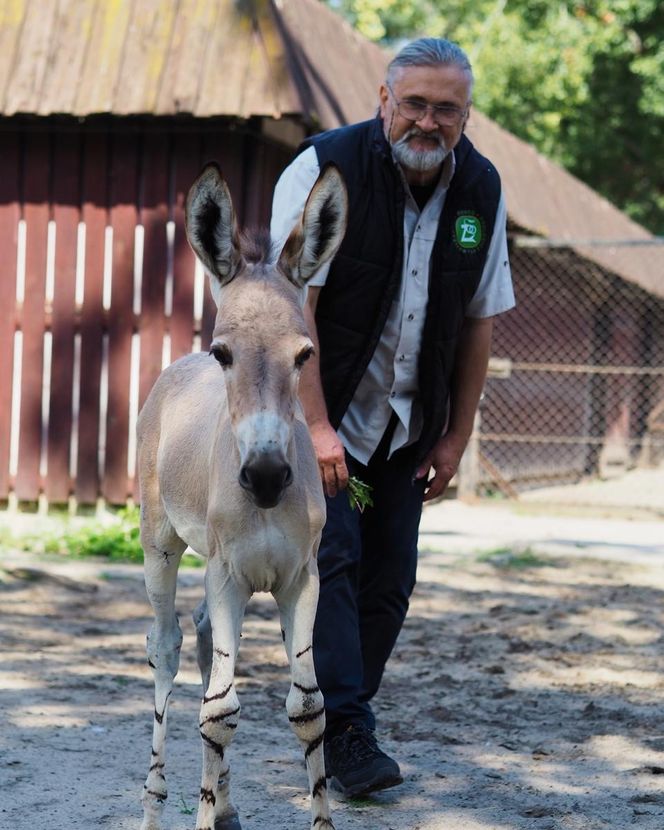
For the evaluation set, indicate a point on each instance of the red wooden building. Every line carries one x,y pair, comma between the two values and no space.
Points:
108,110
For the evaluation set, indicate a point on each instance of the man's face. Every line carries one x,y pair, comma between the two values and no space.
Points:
422,145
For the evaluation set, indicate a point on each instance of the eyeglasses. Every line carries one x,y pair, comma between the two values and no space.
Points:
445,115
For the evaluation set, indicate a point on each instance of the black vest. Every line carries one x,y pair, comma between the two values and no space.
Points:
365,274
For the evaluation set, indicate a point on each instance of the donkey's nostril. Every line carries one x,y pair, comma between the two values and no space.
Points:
245,478
288,476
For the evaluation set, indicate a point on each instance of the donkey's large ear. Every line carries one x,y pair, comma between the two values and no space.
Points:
317,236
211,227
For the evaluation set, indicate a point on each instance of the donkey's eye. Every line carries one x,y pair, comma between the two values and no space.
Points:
303,356
222,354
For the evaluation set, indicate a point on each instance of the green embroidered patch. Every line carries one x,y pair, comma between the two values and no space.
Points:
468,232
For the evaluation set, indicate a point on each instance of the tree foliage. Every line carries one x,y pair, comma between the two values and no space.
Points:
582,81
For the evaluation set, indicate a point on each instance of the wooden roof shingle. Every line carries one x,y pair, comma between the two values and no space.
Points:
164,57
271,58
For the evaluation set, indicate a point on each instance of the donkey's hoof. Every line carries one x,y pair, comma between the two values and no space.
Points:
228,823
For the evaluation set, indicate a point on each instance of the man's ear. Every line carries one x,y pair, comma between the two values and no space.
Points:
466,117
383,94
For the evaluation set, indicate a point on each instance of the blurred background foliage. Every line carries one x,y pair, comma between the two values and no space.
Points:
581,81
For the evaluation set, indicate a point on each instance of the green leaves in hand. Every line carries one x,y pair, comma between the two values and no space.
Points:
359,494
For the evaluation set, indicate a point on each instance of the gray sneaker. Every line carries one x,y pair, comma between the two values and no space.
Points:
357,765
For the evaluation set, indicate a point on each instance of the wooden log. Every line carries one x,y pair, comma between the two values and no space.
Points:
186,161
123,217
10,213
32,318
95,217
153,217
66,214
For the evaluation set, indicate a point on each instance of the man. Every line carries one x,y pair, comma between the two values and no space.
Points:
402,324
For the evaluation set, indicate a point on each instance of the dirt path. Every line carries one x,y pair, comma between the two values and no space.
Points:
528,696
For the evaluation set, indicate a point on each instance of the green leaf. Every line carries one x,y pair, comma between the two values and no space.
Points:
359,494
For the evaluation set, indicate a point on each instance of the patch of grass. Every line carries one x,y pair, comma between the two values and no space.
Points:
116,539
9,540
515,559
190,560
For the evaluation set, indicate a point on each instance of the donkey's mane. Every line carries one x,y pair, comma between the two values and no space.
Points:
257,246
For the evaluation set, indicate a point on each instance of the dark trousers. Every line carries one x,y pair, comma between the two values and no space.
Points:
367,564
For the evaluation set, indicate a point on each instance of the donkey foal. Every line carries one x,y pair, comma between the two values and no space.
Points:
227,466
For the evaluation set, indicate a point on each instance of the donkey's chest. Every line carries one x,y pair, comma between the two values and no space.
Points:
264,553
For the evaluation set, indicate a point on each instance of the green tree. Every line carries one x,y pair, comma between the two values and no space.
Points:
582,81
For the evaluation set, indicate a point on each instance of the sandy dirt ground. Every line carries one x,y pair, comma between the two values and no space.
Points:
525,692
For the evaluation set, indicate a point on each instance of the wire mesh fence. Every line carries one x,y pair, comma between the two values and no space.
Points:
576,385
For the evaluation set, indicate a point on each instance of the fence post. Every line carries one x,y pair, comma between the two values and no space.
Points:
468,475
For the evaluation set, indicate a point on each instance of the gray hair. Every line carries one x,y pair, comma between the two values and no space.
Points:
430,51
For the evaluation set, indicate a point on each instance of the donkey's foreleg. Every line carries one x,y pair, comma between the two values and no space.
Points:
220,709
304,704
163,650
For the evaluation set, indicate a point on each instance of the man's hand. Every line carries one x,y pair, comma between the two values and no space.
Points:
331,457
444,459
329,449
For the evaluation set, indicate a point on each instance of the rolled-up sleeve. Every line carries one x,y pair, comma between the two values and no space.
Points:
495,292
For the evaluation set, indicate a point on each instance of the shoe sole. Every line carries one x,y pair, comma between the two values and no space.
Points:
366,787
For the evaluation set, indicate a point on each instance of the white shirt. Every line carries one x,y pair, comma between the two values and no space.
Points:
390,383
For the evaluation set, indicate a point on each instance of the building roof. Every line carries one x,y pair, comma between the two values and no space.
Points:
272,58
545,200
199,57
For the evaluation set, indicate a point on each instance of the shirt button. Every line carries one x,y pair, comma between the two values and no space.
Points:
414,272
411,316
402,357
393,394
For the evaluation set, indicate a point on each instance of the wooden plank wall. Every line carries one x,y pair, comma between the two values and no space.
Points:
10,215
97,286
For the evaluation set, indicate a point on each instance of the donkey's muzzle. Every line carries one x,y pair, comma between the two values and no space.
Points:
265,477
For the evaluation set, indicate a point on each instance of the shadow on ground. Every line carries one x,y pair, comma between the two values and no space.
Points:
517,697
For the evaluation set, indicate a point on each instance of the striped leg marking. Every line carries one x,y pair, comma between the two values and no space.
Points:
220,707
304,704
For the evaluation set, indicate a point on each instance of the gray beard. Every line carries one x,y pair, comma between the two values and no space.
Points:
420,160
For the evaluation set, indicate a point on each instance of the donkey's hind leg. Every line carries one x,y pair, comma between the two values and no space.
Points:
201,620
304,704
163,550
218,624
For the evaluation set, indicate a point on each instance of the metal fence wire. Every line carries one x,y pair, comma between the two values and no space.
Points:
576,381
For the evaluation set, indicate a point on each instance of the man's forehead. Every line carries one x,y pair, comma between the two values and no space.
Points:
439,78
